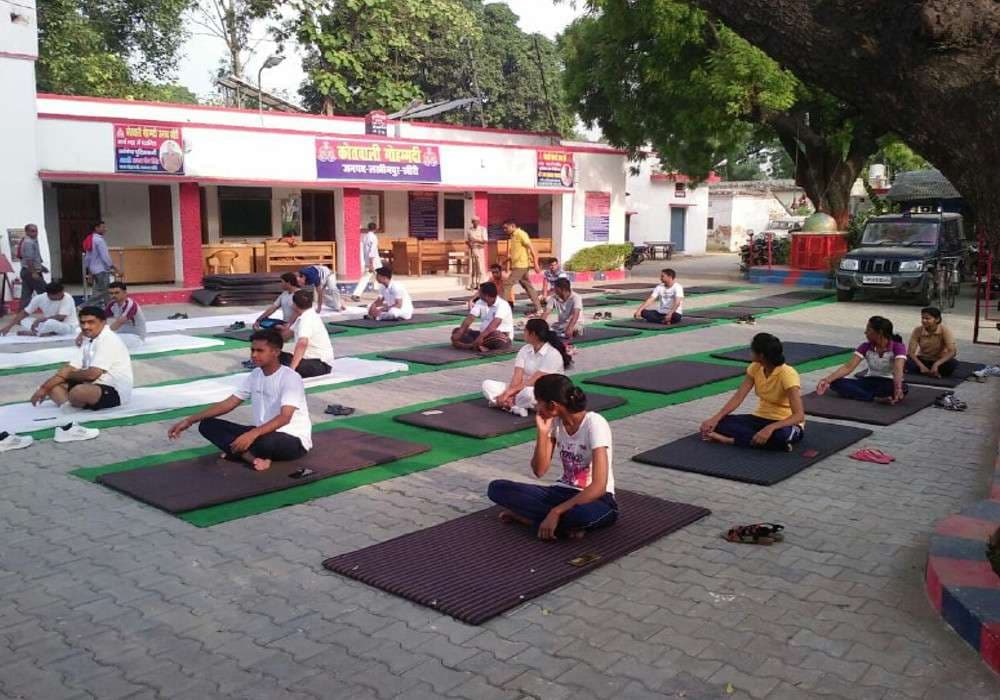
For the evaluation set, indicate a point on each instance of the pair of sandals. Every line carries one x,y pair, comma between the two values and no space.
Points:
748,319
757,533
335,409
950,402
237,326
602,314
875,456
177,316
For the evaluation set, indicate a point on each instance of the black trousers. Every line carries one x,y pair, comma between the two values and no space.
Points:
280,447
307,368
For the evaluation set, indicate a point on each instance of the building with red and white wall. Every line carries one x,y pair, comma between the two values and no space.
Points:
667,206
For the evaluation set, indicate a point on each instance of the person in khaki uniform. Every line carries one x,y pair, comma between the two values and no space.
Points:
932,349
521,260
476,238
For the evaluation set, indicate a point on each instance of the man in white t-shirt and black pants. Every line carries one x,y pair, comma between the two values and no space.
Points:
393,302
289,285
496,323
281,431
669,298
370,260
312,355
52,313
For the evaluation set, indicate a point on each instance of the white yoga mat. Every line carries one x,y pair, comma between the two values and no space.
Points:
23,417
153,345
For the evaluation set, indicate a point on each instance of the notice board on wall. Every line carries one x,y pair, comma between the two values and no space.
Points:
423,208
597,217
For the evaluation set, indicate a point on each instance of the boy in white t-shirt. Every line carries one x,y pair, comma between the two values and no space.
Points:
393,302
496,323
669,298
52,313
281,431
289,285
312,355
584,497
370,260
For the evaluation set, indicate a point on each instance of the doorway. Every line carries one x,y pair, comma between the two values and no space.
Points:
317,216
678,221
79,209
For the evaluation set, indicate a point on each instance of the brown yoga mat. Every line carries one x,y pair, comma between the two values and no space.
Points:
832,406
475,418
369,323
751,465
631,296
443,354
668,377
245,334
686,322
474,567
190,484
795,353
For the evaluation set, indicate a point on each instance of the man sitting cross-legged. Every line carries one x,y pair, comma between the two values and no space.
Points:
393,301
568,306
312,355
289,285
52,313
125,317
669,298
281,431
101,379
496,323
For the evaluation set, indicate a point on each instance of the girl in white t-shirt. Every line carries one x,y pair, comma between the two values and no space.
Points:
584,497
543,353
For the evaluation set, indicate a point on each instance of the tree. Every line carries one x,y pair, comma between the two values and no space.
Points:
110,48
231,21
660,72
924,70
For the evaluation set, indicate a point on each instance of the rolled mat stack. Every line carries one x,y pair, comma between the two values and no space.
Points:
239,290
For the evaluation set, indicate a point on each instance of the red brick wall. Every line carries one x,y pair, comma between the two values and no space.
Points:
352,234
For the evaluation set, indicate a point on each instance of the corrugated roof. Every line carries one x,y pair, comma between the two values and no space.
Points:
917,185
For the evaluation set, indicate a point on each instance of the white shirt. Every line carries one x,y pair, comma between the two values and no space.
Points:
500,309
108,352
268,394
50,307
547,360
393,292
576,451
311,327
369,250
284,302
667,295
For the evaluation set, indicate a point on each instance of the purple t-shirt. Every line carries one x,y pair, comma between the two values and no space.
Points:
880,365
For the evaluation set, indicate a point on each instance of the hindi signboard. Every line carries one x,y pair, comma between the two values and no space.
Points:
146,148
385,161
554,169
597,216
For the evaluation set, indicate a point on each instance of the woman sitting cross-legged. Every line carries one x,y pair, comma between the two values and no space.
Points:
543,353
885,356
778,422
584,497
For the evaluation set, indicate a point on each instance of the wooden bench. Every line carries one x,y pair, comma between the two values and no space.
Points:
415,256
281,256
498,251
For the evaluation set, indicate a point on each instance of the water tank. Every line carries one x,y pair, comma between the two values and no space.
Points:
876,172
820,223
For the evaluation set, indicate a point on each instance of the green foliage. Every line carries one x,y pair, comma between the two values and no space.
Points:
605,256
110,48
898,157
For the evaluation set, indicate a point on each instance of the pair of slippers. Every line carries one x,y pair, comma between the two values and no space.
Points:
950,402
335,409
870,454
177,316
757,533
237,326
602,314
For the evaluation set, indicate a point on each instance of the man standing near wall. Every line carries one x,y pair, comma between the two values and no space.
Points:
32,267
370,260
521,260
476,238
97,261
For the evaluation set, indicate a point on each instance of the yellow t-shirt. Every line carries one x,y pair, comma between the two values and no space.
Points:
773,391
519,246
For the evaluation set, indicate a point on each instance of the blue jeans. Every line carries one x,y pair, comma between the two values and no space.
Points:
535,502
864,388
743,427
654,316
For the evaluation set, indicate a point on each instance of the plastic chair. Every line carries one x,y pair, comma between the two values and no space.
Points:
222,262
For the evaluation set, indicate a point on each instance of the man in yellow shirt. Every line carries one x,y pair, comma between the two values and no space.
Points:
933,348
520,261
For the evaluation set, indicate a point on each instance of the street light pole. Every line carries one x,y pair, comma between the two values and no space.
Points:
270,62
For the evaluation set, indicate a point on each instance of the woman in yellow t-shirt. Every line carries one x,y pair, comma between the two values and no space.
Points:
778,422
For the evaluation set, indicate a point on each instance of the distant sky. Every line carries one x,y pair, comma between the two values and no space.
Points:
202,53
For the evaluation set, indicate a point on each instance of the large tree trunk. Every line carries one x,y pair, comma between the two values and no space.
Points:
923,69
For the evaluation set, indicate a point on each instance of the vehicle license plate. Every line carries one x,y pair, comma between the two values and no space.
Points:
876,279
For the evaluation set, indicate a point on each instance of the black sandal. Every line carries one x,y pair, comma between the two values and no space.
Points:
336,409
758,533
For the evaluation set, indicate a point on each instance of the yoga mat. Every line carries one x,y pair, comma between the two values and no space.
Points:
23,417
369,323
795,353
751,465
442,354
832,406
772,302
592,334
631,296
209,480
961,373
647,326
430,303
521,296
805,294
629,285
668,377
725,312
154,344
245,334
474,567
475,418
707,289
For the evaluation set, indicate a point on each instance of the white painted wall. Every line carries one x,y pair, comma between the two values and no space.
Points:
125,210
736,214
594,173
651,201
396,205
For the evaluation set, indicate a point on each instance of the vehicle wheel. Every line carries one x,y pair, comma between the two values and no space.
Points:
845,295
927,294
953,292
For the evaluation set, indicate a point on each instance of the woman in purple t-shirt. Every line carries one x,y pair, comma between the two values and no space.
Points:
885,355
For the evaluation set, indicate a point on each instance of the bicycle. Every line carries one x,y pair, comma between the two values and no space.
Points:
947,283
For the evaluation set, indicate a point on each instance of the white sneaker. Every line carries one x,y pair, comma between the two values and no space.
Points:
988,371
74,432
10,441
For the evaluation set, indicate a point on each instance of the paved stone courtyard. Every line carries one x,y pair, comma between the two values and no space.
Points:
103,597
